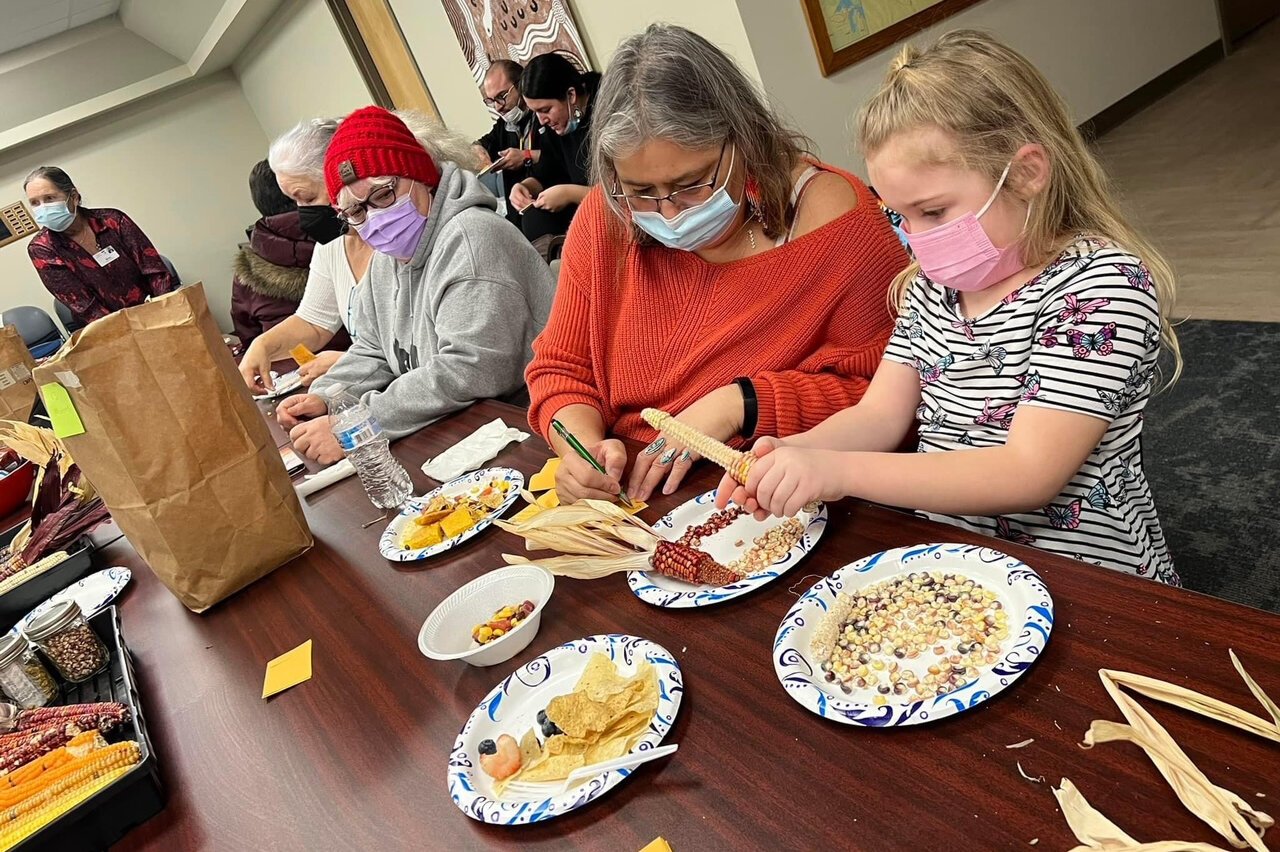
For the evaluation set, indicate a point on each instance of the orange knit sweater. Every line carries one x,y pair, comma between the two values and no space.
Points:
636,326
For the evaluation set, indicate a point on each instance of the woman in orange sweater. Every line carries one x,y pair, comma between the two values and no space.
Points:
715,271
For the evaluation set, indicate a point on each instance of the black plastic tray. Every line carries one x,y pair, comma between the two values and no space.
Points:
37,590
108,815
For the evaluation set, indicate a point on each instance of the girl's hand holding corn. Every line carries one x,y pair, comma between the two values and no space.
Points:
784,479
718,414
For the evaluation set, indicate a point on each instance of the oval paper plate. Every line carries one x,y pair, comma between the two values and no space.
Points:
91,593
1018,588
512,708
389,545
660,590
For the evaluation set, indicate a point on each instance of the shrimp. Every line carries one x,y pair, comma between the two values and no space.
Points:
501,759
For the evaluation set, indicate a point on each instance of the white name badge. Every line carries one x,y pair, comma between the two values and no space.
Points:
106,255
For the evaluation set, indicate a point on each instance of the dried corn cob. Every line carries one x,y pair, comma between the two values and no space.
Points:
75,774
599,539
103,713
33,745
738,464
34,821
17,572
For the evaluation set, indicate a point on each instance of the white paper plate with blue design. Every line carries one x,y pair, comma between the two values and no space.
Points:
91,593
724,546
283,385
1019,589
390,544
512,708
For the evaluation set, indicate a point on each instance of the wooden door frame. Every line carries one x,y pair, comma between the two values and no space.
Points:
383,56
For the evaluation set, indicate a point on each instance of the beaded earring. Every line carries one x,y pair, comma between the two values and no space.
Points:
757,211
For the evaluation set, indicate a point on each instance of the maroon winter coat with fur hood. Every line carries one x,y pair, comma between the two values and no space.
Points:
270,275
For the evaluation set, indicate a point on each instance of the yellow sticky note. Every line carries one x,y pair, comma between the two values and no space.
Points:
545,478
62,412
549,500
525,514
637,506
657,845
289,669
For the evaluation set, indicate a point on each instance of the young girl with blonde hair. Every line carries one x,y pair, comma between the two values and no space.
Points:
1029,325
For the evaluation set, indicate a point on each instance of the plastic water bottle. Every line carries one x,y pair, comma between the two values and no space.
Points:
385,480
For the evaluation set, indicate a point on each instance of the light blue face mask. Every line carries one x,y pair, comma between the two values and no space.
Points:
697,226
54,215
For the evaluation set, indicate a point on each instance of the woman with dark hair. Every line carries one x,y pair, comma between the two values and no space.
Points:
561,97
718,271
94,261
271,269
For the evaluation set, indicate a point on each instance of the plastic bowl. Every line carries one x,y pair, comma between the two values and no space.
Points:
446,634
15,488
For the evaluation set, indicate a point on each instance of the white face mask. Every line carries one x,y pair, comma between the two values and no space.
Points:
513,117
698,226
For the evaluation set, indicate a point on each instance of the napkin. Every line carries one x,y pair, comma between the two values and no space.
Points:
334,473
472,451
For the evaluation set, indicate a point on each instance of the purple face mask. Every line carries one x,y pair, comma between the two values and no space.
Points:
394,230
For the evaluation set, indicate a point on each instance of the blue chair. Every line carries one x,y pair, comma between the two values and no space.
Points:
36,328
168,264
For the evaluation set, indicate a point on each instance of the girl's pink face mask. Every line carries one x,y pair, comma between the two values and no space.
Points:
960,255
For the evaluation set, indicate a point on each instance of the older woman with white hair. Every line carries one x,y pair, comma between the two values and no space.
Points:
455,295
341,258
717,270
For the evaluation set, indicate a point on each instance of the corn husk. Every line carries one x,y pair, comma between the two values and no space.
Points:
596,539
1094,831
1224,811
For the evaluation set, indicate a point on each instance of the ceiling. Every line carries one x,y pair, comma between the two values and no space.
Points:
29,21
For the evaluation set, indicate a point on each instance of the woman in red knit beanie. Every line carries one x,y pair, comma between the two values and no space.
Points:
455,293
716,271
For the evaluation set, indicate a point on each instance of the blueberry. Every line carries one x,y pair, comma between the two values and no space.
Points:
488,747
550,728
542,717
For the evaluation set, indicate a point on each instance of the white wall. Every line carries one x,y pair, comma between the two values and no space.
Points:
602,24
178,164
1093,51
299,67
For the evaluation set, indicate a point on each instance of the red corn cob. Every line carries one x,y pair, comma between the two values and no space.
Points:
693,566
36,745
87,716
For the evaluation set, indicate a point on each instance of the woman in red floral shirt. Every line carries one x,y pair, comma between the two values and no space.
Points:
93,261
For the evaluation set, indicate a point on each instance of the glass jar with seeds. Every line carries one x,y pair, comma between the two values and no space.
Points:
66,638
23,678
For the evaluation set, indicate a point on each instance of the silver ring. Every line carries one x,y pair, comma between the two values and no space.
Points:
668,457
656,447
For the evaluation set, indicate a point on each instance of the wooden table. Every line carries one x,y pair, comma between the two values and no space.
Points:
356,758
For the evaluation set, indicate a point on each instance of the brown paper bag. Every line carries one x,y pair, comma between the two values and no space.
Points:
17,389
176,447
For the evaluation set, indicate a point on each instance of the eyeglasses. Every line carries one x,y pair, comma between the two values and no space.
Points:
501,99
681,199
380,197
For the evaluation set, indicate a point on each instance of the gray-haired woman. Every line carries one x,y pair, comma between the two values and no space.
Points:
716,271
341,258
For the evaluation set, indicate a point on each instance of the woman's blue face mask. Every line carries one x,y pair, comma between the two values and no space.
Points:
695,227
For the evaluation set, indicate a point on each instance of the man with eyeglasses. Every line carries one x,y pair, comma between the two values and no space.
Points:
511,147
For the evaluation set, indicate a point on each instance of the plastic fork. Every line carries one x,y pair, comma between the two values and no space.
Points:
531,791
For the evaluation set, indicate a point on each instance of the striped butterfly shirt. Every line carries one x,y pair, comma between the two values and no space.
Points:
1082,336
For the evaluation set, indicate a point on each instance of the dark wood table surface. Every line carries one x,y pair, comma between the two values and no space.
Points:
356,757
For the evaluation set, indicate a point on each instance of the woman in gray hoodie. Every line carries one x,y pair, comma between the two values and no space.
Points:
455,294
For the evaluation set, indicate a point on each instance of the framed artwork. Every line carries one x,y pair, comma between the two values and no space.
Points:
846,31
16,223
514,29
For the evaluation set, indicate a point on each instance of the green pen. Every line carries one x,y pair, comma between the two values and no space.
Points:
591,460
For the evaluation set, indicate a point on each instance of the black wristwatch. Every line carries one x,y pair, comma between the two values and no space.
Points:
528,158
750,407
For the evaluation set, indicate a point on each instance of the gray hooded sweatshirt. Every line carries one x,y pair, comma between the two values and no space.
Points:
453,325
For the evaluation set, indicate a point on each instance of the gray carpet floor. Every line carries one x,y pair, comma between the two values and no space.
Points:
1212,454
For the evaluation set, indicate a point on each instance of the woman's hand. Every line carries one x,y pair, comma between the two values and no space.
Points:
555,198
718,414
255,367
316,368
521,198
511,158
731,489
577,480
790,478
314,439
482,156
296,409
